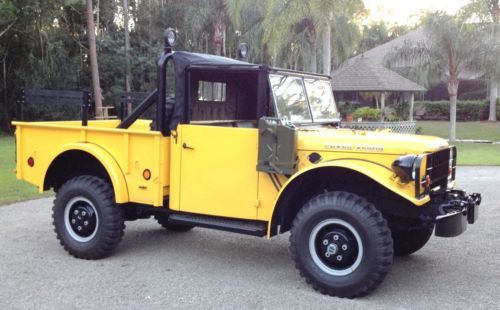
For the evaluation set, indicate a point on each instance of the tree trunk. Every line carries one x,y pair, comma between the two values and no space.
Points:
313,65
493,100
97,16
128,74
453,83
327,43
453,92
96,85
220,23
266,58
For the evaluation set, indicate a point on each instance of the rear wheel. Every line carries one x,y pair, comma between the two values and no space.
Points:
163,221
86,219
407,242
341,244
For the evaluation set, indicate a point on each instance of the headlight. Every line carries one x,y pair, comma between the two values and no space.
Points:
404,167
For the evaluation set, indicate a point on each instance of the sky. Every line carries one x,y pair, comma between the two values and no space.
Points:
407,11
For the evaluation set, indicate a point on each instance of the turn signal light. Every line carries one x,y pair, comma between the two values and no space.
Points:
146,174
31,162
428,182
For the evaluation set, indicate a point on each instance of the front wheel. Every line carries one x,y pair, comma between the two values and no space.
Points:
341,244
86,219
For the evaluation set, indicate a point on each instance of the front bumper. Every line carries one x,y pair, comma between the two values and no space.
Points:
454,210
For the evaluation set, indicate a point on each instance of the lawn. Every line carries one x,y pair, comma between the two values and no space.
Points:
11,189
469,153
465,130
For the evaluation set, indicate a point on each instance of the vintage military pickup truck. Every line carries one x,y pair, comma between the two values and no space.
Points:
250,149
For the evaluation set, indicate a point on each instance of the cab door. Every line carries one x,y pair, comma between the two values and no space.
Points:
218,173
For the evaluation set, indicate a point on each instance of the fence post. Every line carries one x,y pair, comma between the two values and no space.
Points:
85,107
19,104
122,110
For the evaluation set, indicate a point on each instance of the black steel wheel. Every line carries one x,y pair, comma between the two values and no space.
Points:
163,221
86,219
341,244
407,242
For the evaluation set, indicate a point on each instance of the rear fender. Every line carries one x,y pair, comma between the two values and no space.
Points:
107,161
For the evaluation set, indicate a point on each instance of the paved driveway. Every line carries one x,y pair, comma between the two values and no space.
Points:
153,268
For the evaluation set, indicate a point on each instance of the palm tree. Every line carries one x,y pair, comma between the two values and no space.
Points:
488,13
308,19
449,47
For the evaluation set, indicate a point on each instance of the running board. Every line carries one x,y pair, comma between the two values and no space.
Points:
247,227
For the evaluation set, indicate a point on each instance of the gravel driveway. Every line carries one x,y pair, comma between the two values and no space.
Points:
153,268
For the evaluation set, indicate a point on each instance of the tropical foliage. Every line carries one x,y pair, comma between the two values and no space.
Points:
44,44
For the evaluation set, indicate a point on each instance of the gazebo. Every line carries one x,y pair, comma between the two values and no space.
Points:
363,75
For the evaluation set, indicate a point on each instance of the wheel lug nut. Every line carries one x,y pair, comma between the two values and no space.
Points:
86,223
84,213
344,247
73,221
75,212
327,254
335,237
79,228
325,242
339,257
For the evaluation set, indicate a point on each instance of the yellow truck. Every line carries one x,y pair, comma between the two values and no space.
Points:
250,149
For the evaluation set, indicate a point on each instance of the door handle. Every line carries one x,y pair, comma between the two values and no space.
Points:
185,146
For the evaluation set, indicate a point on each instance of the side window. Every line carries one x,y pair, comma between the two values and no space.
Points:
211,91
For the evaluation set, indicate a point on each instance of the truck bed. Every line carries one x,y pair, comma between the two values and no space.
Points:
125,153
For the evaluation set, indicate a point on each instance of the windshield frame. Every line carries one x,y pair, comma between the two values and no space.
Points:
302,76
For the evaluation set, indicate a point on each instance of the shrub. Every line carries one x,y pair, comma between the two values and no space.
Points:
467,110
347,108
367,114
401,111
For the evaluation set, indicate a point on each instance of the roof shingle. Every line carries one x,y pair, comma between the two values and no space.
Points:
364,75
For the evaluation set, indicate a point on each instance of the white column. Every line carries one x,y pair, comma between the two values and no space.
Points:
412,103
382,106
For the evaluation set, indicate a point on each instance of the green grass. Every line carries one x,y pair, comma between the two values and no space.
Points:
465,130
11,189
480,154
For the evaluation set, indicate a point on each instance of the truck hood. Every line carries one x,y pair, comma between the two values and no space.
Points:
348,140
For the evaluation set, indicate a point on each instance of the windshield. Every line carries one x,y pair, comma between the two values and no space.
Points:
303,99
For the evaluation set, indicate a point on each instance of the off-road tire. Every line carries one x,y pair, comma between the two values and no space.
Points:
407,242
376,244
163,221
88,191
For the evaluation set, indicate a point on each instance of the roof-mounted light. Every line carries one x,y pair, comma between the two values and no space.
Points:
170,38
243,51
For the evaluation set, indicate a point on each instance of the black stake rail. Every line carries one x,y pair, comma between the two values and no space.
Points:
145,104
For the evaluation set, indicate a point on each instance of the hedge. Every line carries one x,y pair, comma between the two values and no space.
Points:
467,110
367,114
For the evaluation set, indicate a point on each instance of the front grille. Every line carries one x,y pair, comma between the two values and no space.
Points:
438,165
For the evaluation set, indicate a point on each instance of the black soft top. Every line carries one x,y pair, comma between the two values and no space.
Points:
184,61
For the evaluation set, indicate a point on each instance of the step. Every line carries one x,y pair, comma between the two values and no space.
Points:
247,227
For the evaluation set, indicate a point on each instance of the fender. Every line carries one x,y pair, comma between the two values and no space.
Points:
108,162
375,171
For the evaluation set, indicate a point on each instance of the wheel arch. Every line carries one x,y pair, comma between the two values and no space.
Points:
370,180
90,159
